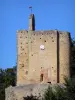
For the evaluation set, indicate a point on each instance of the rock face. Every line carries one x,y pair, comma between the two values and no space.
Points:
18,92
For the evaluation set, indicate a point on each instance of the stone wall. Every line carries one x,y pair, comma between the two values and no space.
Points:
64,55
43,61
22,56
35,65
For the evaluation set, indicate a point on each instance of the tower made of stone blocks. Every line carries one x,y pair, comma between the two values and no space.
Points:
42,56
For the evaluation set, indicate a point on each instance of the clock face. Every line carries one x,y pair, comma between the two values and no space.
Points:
42,47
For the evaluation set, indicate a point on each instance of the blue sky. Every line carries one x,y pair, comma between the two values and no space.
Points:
14,14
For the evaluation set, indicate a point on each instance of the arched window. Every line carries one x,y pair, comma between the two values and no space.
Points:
41,77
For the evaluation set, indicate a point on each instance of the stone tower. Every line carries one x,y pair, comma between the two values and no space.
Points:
31,22
42,56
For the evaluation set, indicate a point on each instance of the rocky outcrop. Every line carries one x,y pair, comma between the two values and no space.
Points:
18,92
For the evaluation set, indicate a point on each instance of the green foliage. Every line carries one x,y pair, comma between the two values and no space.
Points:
55,93
7,78
70,88
31,97
61,93
73,58
49,94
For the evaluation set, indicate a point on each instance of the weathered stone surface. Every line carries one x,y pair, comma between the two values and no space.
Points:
49,62
18,92
36,65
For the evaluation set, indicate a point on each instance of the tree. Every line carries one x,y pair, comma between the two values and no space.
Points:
7,78
61,93
73,58
70,88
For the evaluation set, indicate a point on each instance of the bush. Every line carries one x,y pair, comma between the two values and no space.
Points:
61,93
70,88
31,97
49,94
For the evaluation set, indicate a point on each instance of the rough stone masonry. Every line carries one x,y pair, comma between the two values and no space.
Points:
42,57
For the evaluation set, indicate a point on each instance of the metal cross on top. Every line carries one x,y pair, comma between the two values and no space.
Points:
31,9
